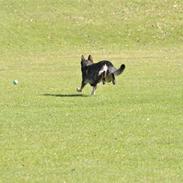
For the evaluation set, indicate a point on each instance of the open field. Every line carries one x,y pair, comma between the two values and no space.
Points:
131,132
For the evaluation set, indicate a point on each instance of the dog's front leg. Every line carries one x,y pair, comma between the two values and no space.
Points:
93,90
82,86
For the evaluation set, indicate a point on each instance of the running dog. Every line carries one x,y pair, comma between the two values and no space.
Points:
94,73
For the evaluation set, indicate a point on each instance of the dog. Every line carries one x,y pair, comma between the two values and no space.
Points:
94,73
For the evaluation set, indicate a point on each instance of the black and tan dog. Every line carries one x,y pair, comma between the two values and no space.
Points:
94,73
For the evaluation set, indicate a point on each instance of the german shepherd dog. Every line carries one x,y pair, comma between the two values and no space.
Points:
94,73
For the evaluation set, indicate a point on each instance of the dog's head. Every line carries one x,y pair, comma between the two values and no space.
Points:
86,62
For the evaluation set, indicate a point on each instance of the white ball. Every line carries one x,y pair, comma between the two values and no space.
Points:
15,82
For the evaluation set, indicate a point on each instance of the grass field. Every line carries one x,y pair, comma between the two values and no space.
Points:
131,132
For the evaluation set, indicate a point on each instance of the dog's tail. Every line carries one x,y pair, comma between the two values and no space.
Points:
117,72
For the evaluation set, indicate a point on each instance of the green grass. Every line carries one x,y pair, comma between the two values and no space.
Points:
131,132
100,24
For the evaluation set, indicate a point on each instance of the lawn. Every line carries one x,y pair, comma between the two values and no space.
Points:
130,132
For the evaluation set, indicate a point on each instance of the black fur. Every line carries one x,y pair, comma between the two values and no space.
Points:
94,73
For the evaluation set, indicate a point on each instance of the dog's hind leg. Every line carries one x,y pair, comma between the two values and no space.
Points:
103,78
113,79
81,88
93,90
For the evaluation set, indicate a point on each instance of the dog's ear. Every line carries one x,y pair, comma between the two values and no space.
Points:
90,58
82,58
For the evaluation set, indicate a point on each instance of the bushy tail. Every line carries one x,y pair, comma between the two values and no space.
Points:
120,70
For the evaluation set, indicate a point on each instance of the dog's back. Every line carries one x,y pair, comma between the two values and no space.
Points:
101,71
97,71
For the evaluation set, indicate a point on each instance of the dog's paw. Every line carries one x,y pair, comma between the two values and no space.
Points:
78,90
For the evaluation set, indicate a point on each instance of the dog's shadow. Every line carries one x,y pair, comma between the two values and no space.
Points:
63,95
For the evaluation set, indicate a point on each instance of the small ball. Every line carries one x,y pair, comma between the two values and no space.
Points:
15,82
